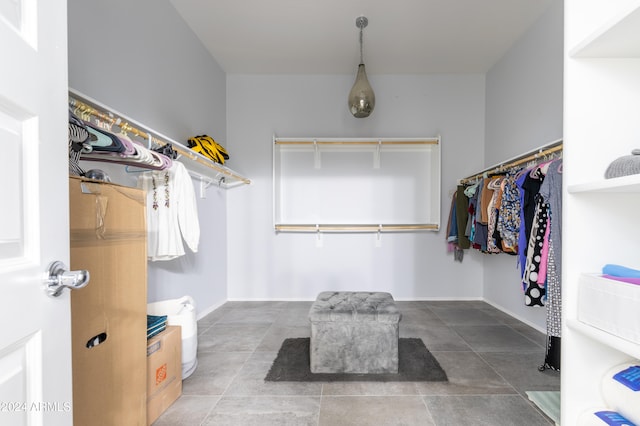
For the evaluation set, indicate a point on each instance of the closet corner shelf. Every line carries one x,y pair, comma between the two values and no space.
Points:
616,39
197,164
604,338
624,184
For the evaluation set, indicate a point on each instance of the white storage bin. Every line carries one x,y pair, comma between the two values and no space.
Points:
181,312
610,305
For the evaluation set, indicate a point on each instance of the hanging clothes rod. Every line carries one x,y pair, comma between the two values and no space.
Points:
355,141
355,228
89,106
539,153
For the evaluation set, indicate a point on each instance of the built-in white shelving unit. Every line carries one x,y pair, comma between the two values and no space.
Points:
602,94
356,184
615,38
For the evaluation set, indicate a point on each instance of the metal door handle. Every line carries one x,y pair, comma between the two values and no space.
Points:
58,278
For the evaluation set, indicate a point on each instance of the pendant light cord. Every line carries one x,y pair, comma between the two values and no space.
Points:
361,56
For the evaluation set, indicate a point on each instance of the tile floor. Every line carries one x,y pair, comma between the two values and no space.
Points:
491,359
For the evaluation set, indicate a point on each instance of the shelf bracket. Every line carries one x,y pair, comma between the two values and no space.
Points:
376,155
316,155
318,236
204,184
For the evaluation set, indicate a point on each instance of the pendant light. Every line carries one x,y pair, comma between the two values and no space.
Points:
362,100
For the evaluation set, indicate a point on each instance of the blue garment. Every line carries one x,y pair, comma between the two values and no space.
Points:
473,207
620,271
480,233
522,237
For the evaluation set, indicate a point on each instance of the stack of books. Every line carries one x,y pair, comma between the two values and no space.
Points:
155,324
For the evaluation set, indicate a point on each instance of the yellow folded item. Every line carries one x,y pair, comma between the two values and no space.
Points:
208,147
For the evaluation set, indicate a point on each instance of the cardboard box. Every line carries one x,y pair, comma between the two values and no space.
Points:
164,371
108,316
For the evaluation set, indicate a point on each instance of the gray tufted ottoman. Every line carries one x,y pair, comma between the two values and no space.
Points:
354,332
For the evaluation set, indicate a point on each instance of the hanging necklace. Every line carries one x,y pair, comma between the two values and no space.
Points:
155,191
166,189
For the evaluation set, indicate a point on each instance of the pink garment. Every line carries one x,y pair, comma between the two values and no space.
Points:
542,273
129,149
623,279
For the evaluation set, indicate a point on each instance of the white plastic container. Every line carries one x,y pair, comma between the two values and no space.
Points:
610,305
181,312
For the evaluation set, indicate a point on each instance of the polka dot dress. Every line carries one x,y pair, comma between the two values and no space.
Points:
535,292
554,314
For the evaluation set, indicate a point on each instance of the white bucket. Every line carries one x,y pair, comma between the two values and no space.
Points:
181,312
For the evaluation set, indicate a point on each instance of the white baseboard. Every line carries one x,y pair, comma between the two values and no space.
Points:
209,310
414,299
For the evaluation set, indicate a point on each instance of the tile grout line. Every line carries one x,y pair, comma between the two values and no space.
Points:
227,387
224,393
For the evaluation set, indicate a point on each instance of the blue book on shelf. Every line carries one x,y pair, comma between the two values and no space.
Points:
155,324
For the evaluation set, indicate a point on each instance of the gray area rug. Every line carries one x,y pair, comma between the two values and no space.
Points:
415,364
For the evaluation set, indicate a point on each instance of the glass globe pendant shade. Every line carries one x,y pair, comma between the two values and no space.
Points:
362,100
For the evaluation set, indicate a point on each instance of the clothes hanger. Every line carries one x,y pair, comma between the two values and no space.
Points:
167,150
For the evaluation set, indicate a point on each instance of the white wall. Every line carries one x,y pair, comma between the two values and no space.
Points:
523,111
263,265
140,58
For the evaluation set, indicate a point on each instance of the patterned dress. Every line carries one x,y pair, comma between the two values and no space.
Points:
509,213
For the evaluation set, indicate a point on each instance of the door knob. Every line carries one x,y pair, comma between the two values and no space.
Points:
58,278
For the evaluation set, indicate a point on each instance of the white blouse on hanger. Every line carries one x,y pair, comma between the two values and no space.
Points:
172,212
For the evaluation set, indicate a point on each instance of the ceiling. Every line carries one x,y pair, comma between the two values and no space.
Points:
321,37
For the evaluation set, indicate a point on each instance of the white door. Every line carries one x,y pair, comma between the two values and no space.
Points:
35,336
